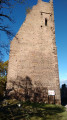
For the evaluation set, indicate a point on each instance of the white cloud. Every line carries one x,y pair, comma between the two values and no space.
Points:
63,82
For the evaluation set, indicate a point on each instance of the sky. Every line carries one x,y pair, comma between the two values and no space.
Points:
18,13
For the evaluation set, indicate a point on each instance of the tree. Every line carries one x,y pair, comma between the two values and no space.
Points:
3,77
3,68
7,5
64,94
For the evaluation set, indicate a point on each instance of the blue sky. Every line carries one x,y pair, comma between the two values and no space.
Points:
60,15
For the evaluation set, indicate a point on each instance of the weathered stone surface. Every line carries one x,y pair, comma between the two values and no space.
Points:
33,65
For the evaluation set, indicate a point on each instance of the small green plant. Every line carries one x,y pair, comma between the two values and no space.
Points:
28,10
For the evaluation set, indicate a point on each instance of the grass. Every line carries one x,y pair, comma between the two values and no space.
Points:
31,111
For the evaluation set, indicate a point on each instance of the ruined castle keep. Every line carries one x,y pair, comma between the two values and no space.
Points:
33,65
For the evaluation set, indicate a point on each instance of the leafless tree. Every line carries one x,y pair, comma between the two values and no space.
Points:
7,5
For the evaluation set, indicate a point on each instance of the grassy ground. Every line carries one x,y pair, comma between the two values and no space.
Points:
31,111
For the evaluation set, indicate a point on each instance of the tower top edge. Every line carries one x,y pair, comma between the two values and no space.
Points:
51,1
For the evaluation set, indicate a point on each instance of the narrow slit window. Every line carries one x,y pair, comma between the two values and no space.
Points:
45,21
41,13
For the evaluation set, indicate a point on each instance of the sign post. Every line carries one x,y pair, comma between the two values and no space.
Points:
51,93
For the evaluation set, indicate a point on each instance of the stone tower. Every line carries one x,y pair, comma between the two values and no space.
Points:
33,65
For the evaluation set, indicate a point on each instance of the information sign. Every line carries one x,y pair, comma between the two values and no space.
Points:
51,92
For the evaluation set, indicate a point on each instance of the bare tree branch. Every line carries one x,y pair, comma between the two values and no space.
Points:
7,5
2,15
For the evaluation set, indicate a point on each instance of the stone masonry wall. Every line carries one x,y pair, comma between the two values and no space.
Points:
33,65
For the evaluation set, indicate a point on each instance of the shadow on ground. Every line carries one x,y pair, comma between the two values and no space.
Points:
30,111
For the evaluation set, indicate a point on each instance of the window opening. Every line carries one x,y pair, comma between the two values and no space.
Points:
41,13
45,21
